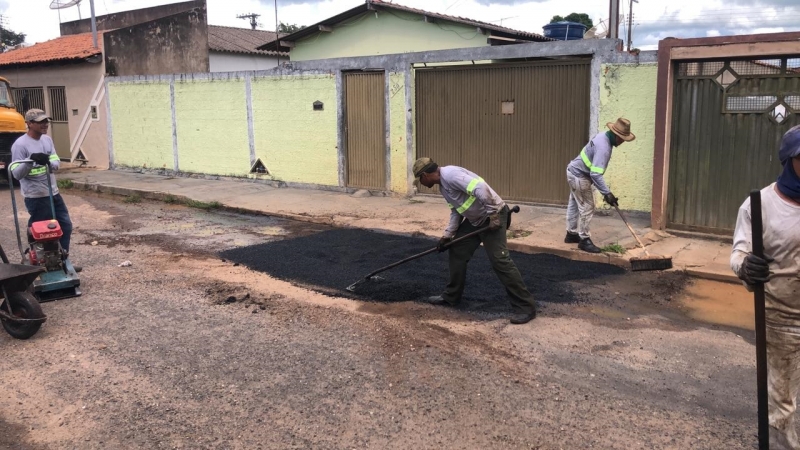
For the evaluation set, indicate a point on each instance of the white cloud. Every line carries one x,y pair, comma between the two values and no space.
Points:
653,19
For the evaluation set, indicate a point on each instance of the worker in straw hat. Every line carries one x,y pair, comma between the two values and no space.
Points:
585,172
779,270
474,205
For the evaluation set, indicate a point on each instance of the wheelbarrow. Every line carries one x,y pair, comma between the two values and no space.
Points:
20,313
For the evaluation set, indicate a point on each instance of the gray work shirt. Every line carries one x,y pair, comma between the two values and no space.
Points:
592,162
467,196
32,177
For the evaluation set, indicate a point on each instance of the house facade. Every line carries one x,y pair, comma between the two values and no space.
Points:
382,28
65,78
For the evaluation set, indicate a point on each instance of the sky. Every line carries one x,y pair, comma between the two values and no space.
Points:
653,19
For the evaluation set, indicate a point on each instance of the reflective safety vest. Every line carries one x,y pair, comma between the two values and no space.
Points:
589,165
471,199
39,170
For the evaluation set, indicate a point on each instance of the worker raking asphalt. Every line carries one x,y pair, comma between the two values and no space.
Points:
329,261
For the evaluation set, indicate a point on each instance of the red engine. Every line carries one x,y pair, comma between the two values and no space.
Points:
46,230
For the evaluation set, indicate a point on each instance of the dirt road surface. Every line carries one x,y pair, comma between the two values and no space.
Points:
183,349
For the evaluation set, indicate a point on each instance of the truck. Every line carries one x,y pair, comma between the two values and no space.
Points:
12,126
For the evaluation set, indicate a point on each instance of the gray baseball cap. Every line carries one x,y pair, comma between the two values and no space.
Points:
36,115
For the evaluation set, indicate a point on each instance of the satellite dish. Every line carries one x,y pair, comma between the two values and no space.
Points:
61,4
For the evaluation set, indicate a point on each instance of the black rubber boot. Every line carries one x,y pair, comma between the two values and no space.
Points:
572,238
519,319
588,246
437,300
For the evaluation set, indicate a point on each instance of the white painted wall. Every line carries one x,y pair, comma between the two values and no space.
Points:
234,62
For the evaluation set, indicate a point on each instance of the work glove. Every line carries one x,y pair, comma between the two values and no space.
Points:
443,241
610,199
494,222
40,158
755,270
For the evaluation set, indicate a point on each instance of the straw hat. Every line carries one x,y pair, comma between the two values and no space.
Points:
622,128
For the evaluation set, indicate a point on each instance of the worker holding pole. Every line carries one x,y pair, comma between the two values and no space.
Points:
586,171
475,205
779,271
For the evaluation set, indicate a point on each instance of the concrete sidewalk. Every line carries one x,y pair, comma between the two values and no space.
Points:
536,229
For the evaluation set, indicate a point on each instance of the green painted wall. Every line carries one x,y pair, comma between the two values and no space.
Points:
142,124
211,120
389,32
397,133
296,143
629,91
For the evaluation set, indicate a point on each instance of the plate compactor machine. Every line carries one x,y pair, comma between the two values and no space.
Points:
60,280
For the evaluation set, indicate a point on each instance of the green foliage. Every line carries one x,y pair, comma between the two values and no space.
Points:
575,17
9,38
614,248
133,198
289,28
203,205
65,183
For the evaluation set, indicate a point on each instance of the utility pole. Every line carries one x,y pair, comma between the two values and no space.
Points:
94,24
252,17
613,20
630,23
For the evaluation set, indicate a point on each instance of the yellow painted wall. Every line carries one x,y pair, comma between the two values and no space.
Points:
629,91
386,33
141,124
211,118
397,133
296,143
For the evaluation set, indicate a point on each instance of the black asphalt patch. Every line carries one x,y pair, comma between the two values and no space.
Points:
330,261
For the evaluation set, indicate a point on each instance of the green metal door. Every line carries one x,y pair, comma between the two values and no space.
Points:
727,121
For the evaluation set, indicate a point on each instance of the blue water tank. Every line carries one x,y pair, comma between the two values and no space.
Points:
565,31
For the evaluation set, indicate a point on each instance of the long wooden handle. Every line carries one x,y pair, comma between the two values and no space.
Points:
761,324
635,236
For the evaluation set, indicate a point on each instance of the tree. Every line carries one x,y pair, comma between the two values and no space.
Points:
9,38
575,17
289,28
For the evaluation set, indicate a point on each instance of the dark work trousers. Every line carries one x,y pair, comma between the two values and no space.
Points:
39,209
494,242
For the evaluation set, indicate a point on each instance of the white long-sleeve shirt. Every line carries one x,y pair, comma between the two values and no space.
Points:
33,178
467,196
781,220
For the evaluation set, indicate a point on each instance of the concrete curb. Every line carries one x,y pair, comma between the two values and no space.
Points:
573,255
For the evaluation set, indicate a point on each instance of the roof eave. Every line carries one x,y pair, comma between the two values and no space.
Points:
49,62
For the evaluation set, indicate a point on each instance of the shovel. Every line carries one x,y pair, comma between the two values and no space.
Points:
371,275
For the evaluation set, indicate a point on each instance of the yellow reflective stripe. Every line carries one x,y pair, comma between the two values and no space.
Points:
473,184
38,171
14,165
470,189
589,165
466,204
54,158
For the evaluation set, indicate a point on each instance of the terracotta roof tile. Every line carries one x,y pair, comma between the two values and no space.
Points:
64,48
240,40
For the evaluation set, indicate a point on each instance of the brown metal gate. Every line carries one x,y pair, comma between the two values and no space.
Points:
728,118
515,125
59,125
28,98
365,128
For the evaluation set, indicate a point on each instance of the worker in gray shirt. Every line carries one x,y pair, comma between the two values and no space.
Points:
38,147
586,171
473,205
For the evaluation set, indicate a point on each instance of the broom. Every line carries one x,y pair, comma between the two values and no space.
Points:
648,262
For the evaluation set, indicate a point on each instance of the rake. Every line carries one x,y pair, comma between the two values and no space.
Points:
372,275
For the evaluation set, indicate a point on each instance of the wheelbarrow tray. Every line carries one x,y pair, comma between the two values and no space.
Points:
18,277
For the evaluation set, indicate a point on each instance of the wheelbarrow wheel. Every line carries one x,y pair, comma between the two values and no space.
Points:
23,306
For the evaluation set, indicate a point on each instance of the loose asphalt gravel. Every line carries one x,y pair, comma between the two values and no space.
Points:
155,356
331,260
